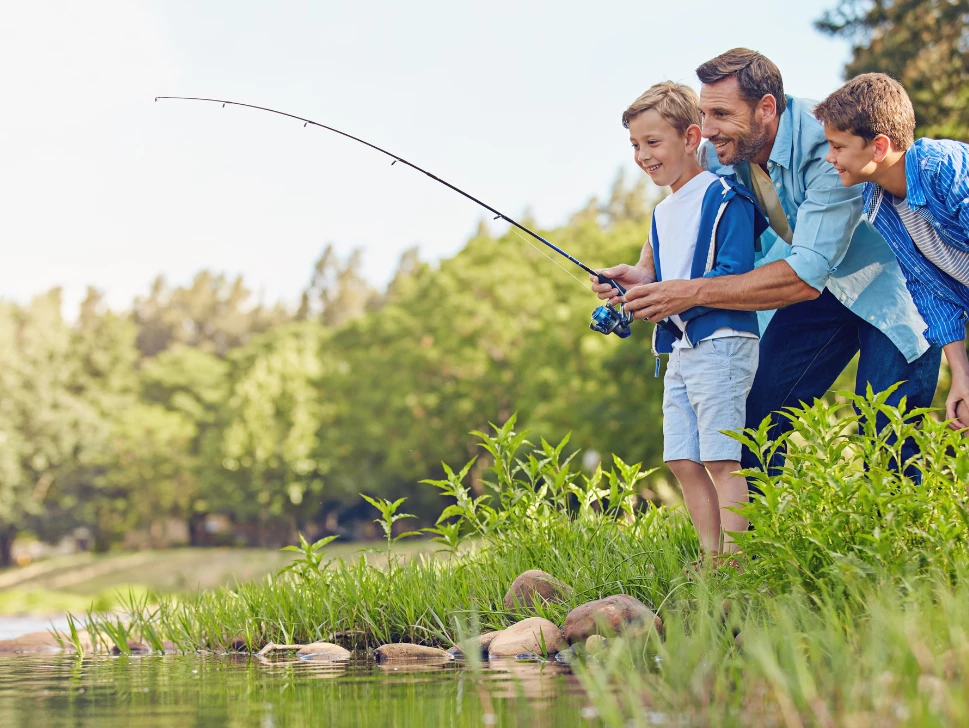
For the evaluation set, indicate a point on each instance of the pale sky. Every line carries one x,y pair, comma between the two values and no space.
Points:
517,102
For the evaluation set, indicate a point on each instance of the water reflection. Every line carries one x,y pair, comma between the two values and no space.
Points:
232,690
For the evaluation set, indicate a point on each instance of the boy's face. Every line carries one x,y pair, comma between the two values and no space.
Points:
659,150
852,159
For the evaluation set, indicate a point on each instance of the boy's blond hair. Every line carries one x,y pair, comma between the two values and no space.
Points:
677,104
869,105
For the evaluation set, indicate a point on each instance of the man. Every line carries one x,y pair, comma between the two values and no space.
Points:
835,281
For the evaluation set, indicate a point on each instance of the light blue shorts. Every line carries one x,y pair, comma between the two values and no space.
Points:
705,392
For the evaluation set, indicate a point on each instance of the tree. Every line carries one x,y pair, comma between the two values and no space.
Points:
337,293
924,44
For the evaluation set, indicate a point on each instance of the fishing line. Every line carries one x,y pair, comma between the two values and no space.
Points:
605,319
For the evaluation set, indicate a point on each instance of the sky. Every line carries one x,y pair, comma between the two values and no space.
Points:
517,102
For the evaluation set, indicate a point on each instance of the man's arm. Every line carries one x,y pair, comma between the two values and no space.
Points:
771,286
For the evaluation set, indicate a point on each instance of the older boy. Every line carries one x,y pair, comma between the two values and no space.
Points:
917,196
706,227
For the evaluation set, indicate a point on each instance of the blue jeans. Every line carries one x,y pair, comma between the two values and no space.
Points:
804,349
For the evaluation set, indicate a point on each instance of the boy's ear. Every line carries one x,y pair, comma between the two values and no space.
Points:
693,137
881,147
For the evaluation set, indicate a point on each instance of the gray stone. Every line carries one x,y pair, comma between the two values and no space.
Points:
324,650
613,615
480,644
529,635
408,652
534,586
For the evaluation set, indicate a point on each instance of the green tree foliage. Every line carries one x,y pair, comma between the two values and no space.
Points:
922,43
203,402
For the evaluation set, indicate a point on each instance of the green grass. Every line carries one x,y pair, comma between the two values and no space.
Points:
850,606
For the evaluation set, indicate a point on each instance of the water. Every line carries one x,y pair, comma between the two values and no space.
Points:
178,691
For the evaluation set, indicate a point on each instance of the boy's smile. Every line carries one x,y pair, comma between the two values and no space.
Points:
851,158
660,151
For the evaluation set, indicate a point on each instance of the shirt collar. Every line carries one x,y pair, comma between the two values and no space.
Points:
780,153
913,185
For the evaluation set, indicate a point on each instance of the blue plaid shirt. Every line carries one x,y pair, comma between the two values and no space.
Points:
937,181
834,247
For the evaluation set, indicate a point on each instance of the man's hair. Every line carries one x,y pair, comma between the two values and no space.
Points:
677,104
869,105
756,75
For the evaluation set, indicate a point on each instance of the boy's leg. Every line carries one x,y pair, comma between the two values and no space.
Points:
701,501
804,349
731,492
882,365
681,451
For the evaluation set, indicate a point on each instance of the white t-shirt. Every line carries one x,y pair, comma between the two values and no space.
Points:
949,260
677,224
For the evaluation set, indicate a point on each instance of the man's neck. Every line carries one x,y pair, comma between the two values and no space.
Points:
763,156
891,177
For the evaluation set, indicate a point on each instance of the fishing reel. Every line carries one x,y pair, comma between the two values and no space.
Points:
607,319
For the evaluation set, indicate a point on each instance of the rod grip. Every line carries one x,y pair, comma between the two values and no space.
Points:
603,279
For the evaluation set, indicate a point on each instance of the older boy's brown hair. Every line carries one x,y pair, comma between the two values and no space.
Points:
677,104
869,105
757,75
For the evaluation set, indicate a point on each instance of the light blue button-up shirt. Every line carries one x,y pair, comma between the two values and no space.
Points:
832,245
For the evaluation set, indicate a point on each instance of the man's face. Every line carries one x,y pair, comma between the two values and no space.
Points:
729,122
851,158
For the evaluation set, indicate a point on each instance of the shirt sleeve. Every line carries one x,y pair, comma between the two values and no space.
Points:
953,179
826,221
945,321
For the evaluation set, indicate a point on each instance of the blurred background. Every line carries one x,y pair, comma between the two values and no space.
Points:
217,328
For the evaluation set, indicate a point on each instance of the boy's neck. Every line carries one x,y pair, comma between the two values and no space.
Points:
891,176
691,170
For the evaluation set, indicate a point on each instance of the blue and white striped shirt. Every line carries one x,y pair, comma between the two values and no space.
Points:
937,189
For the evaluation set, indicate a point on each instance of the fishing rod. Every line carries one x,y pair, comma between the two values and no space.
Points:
606,319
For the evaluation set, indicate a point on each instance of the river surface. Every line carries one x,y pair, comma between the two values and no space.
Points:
183,691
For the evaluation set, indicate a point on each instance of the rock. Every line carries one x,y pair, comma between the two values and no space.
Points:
594,643
535,586
324,650
408,652
481,643
135,648
529,635
44,642
738,639
612,615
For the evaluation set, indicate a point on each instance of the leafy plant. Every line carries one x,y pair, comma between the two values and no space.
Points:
310,559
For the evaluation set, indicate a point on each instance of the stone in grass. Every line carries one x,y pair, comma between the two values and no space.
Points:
480,644
408,652
534,634
323,651
595,643
617,614
534,586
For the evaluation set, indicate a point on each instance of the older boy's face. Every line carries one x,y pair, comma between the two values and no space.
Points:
851,158
730,123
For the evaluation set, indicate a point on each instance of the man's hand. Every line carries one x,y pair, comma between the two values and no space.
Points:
657,301
957,403
626,276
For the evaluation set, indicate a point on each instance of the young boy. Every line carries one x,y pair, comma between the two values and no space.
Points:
917,196
707,227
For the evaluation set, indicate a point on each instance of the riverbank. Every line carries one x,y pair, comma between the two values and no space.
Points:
847,606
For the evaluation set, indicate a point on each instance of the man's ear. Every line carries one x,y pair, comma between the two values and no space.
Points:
767,107
881,147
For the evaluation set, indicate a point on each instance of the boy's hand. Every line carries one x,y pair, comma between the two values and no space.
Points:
957,403
626,276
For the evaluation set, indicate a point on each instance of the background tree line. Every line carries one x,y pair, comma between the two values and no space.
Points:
197,401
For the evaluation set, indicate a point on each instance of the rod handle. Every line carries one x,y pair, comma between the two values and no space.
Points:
603,279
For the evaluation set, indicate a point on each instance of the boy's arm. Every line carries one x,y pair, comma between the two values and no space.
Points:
734,247
955,354
952,176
